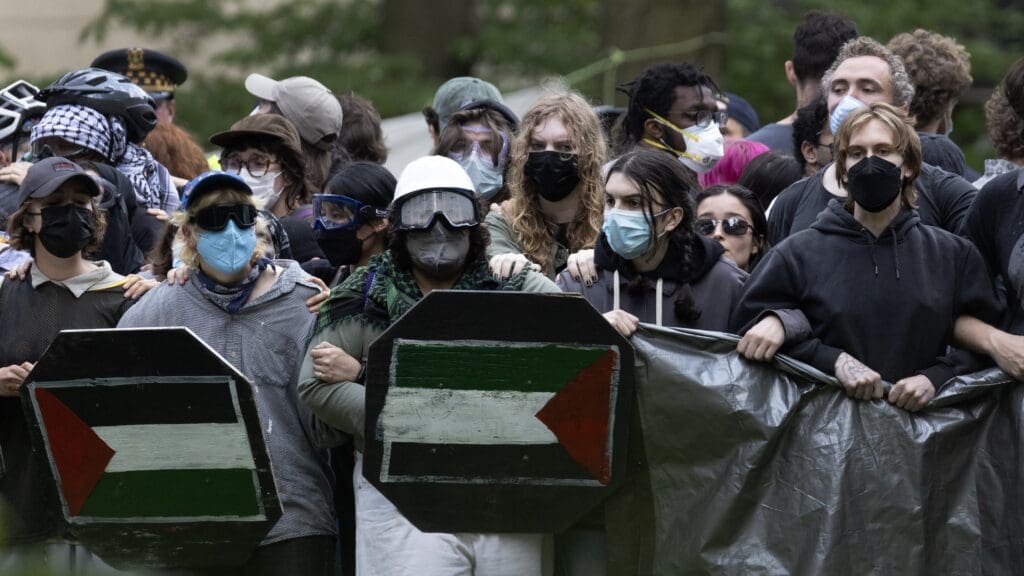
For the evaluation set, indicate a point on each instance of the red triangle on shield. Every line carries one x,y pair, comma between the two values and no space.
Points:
78,453
579,415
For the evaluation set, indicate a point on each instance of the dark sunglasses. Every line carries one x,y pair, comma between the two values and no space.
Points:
215,218
734,226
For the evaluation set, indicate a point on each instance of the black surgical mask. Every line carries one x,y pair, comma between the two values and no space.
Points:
341,247
874,183
66,229
554,174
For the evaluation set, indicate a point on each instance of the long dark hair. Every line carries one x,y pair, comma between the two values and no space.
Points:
758,220
654,171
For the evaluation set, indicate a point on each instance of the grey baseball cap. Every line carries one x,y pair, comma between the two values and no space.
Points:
306,103
458,92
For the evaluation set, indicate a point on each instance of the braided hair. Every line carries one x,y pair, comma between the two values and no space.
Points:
652,172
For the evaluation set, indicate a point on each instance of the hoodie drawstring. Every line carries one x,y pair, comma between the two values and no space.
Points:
615,290
895,251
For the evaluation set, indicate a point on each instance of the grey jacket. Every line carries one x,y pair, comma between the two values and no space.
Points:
264,340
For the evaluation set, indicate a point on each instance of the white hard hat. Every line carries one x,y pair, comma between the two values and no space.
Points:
432,173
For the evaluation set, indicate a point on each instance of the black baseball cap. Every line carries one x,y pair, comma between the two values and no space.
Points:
46,176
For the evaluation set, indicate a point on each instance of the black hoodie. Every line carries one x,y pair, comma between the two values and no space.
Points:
714,282
889,301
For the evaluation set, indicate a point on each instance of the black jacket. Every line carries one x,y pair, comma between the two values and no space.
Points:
890,301
995,224
943,199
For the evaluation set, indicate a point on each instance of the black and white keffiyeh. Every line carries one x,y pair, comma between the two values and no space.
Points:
107,136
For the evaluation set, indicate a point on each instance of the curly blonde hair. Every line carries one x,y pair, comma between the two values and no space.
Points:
534,234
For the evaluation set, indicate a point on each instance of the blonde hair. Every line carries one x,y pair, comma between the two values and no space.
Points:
905,140
183,220
534,234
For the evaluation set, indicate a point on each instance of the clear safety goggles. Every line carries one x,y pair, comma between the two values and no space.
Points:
475,141
336,212
420,211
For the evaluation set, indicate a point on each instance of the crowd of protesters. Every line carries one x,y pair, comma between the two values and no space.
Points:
851,235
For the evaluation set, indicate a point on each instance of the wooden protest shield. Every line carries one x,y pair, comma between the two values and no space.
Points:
154,446
497,411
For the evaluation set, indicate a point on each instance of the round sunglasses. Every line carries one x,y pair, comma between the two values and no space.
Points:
733,226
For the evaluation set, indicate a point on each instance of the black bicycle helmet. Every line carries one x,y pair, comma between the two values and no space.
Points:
18,102
108,93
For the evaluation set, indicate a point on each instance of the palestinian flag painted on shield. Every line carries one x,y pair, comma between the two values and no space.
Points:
164,450
479,411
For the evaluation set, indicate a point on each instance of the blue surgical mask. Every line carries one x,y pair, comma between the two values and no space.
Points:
485,175
846,105
229,250
628,232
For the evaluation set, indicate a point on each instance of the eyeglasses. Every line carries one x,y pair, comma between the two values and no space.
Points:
336,212
733,226
700,118
703,118
257,165
215,218
420,211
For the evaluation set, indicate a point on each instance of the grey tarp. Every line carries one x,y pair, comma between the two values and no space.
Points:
771,469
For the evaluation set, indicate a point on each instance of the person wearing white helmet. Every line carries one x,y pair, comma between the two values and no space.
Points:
437,242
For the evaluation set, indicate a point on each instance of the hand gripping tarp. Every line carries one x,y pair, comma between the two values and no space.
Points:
770,469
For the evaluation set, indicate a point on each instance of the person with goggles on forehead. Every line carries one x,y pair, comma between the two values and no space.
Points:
437,242
477,137
252,311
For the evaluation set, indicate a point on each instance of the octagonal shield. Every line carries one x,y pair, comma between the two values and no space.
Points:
498,411
154,447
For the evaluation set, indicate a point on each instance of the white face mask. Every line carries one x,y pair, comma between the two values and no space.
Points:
704,146
262,187
846,105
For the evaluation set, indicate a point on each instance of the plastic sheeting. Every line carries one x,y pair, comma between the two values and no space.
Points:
771,469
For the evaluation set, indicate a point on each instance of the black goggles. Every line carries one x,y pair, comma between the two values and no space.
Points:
215,218
734,226
419,212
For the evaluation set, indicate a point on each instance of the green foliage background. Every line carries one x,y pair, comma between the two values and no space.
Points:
518,43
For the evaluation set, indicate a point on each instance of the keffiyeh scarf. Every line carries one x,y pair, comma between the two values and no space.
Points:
106,135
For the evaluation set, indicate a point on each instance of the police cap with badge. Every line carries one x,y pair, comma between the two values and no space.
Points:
155,72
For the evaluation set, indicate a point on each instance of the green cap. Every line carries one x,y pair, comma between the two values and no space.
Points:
460,91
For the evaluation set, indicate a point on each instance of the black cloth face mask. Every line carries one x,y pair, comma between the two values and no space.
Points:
554,174
342,247
874,183
66,229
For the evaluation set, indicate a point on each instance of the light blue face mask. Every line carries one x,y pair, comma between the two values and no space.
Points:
846,105
485,176
628,232
229,250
